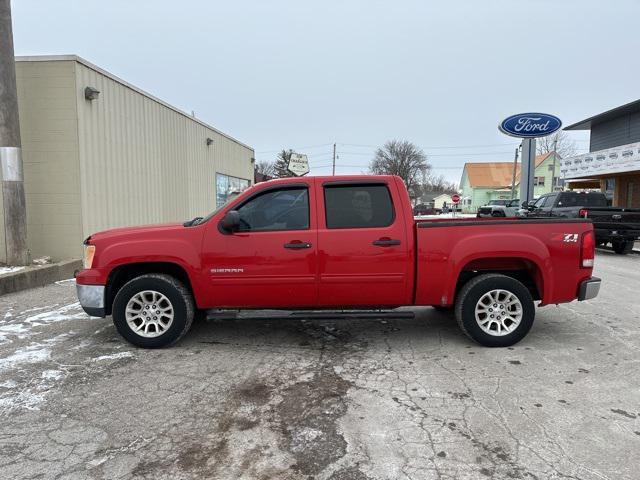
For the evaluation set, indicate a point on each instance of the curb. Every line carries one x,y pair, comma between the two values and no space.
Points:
34,276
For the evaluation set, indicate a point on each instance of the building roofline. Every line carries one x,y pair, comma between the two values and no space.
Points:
102,71
622,109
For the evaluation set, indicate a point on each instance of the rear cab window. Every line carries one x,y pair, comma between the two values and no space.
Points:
358,206
582,199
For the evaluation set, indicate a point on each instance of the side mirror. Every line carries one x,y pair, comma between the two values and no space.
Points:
231,221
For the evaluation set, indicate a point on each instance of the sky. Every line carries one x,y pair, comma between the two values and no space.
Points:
307,74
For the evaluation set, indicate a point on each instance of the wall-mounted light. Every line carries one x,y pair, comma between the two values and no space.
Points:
91,93
209,141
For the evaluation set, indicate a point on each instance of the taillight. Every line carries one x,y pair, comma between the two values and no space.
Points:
583,212
587,250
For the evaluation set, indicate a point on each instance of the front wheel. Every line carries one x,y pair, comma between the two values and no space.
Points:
495,310
153,311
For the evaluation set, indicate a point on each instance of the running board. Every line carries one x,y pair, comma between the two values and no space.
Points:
304,315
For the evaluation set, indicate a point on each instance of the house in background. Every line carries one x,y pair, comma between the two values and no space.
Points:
613,161
483,182
441,200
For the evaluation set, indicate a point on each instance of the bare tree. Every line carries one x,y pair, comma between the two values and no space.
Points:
560,141
280,169
266,168
437,183
402,158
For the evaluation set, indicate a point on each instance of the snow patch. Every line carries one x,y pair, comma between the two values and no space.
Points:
113,356
31,354
5,270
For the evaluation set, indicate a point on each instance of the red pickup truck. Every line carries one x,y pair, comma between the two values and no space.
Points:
343,242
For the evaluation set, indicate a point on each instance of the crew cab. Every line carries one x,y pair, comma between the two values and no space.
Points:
326,243
619,226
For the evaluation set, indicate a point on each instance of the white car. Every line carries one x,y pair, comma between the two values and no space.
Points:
500,208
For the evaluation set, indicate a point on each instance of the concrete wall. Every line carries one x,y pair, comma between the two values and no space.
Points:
48,124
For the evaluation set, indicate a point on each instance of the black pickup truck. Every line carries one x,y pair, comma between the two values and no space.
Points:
619,226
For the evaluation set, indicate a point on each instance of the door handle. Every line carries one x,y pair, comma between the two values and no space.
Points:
386,242
297,244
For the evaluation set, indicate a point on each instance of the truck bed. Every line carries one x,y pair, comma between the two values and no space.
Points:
546,249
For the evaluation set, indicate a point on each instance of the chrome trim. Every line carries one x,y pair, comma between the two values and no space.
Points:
91,296
589,289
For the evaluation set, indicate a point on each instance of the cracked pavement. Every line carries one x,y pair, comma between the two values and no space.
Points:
324,399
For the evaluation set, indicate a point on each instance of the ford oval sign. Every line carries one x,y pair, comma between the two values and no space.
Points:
530,125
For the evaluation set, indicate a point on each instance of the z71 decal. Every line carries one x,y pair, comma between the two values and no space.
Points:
565,237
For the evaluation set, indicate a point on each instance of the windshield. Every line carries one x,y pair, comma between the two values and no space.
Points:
230,198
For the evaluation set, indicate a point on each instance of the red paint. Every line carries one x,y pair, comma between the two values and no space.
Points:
343,267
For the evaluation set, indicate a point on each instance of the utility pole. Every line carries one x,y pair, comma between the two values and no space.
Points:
15,212
334,159
513,179
555,155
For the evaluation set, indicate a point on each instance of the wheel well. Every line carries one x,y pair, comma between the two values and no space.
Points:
119,276
525,271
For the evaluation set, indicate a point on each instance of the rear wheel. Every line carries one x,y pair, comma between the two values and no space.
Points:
153,311
495,310
622,247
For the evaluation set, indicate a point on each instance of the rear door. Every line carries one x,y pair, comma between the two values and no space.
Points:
363,255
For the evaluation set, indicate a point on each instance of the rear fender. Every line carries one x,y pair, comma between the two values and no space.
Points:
508,245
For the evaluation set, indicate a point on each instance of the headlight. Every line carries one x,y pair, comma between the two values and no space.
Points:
89,252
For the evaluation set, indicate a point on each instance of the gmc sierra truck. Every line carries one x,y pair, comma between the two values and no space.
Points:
327,243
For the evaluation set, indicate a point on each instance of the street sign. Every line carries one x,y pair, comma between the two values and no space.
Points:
298,164
455,198
530,125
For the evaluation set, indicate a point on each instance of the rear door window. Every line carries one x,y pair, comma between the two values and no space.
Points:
358,206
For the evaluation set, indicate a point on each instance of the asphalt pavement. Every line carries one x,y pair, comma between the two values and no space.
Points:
324,399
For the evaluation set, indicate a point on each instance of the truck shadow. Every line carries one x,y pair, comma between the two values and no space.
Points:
429,328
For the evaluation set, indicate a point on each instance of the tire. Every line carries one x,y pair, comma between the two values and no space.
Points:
476,290
166,294
622,247
498,214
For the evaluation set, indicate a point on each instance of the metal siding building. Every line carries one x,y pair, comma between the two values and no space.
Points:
125,158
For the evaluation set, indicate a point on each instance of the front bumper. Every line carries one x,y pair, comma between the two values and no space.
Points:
92,299
589,289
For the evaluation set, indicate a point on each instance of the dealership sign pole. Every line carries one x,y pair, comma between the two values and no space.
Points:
528,127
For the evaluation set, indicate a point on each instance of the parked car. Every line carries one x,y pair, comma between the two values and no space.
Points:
334,243
619,226
423,209
500,208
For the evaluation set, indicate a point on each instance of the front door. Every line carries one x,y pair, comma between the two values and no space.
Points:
363,246
271,260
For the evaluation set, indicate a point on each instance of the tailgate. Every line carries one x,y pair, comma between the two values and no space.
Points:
615,218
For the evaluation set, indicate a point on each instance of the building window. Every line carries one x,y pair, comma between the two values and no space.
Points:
538,181
228,187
